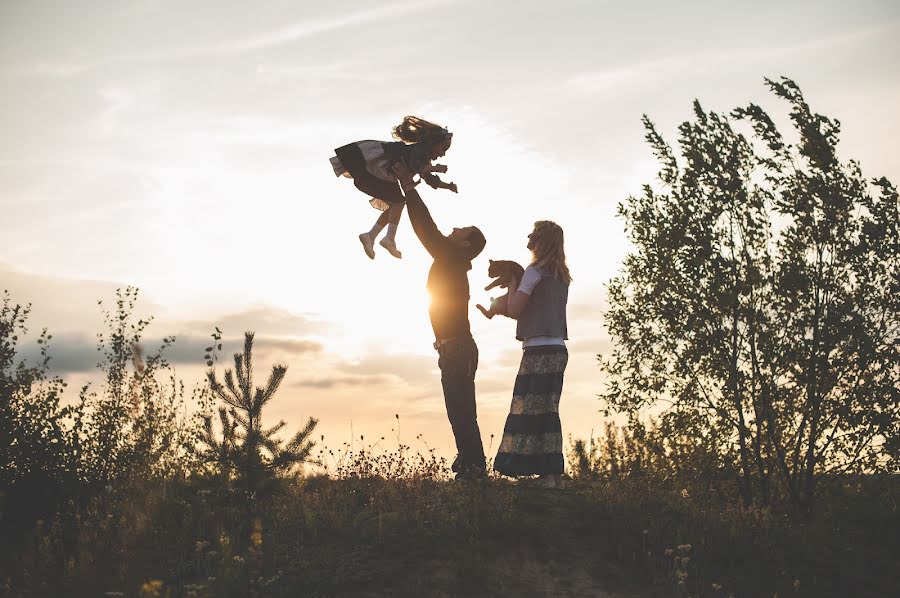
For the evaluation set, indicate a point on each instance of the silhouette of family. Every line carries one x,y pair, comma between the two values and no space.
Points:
536,297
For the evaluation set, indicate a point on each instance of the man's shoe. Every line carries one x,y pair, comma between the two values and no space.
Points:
391,247
368,244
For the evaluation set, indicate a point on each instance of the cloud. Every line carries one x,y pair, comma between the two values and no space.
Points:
348,381
310,27
287,34
412,376
62,303
76,352
263,320
591,345
52,70
587,311
69,352
658,72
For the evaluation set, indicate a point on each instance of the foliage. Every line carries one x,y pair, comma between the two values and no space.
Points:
243,449
373,536
137,426
57,453
758,313
34,437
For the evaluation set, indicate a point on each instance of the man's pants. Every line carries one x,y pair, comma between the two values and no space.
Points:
458,360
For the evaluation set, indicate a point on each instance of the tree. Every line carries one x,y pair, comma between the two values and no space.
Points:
247,451
136,427
758,311
34,438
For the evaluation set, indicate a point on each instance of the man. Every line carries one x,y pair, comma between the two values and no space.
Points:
448,285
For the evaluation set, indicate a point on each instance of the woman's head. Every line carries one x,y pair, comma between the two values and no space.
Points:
547,250
418,130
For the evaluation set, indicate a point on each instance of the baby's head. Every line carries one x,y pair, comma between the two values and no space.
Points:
439,145
418,130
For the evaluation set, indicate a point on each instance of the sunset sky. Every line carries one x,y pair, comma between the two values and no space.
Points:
182,147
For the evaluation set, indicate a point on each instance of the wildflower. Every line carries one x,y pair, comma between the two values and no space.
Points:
152,588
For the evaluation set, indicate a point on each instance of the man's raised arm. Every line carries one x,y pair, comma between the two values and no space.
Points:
423,224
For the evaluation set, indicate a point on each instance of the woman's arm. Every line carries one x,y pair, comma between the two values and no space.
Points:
515,303
520,292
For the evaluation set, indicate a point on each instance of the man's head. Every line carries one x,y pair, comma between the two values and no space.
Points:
470,238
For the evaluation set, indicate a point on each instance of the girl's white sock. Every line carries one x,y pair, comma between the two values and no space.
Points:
377,228
392,231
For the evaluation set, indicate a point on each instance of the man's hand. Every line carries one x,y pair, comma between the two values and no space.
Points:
439,168
452,187
403,174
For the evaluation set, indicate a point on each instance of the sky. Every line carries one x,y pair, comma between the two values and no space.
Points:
182,147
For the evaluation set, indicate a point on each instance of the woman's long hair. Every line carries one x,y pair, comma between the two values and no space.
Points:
547,250
414,130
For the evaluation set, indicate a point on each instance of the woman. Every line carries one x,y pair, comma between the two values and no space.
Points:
532,437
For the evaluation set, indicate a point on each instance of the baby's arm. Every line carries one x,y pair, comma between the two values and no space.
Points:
435,182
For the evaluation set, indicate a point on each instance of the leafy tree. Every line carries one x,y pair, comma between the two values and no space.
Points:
243,449
34,437
758,312
136,427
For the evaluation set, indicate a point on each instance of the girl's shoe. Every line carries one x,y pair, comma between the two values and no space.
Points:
391,247
368,244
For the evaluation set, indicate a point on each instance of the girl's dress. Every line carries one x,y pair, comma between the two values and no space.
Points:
369,163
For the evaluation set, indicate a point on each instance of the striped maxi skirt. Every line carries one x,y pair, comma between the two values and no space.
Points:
532,436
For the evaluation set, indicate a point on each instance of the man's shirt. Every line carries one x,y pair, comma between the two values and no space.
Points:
448,279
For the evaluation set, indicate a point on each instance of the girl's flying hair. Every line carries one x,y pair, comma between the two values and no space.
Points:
548,251
414,130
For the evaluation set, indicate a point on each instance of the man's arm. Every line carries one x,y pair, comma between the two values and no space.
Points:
423,224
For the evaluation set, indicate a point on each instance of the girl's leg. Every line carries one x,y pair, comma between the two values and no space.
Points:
393,218
393,215
382,221
368,239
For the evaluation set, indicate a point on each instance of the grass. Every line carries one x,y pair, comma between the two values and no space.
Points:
360,532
